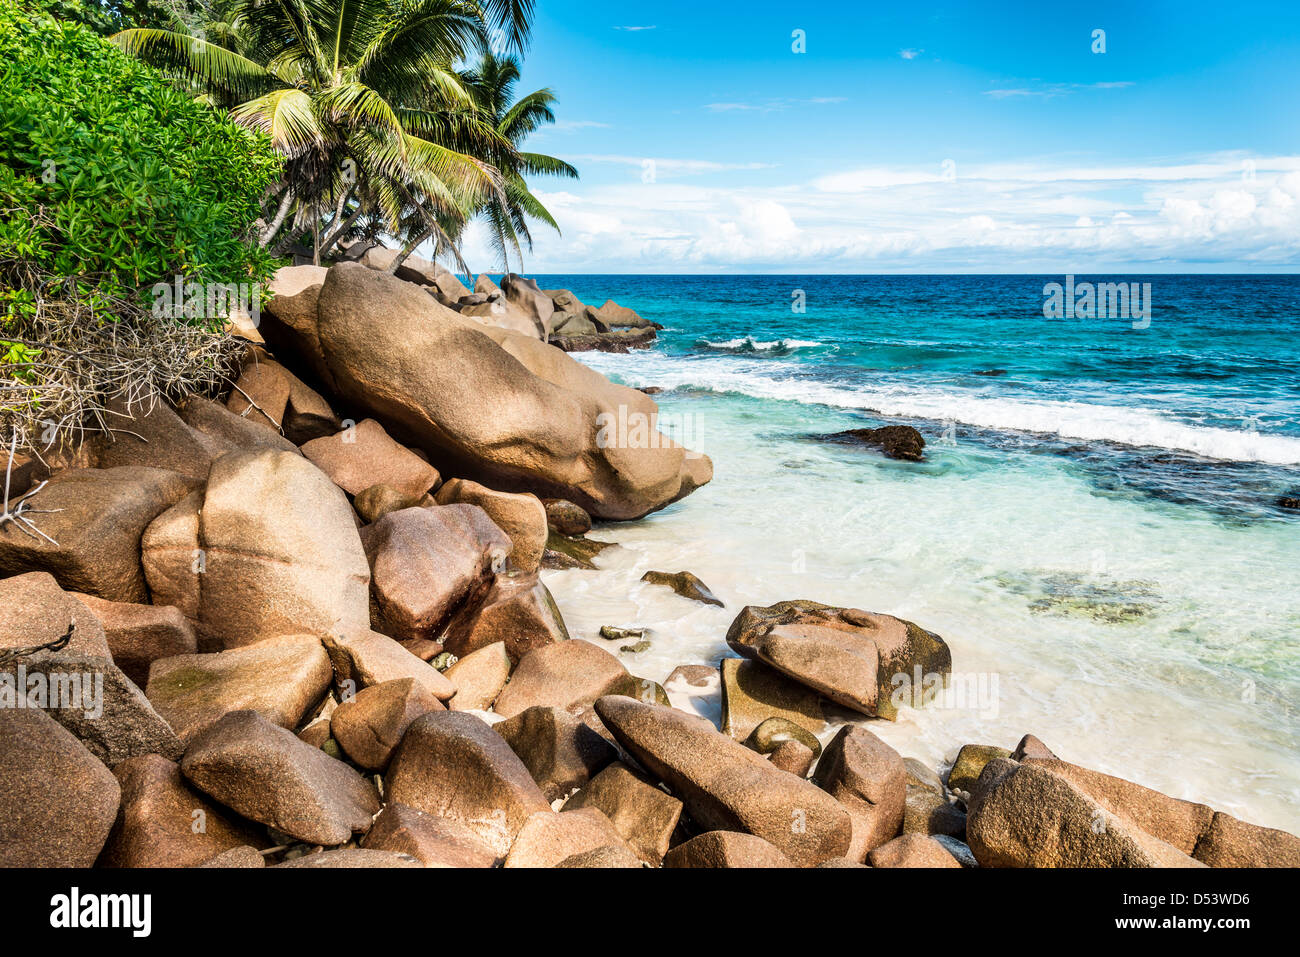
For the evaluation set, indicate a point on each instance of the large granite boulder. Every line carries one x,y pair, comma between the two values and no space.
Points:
518,610
726,786
726,849
370,726
433,840
559,750
163,822
428,563
281,678
451,764
488,404
569,675
547,838
645,815
269,548
861,660
363,455
1025,815
522,517
866,776
92,521
57,800
58,660
138,635
264,773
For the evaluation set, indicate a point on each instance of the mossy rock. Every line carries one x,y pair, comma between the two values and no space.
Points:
970,762
569,551
773,732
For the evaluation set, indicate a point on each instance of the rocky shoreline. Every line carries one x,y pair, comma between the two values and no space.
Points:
302,625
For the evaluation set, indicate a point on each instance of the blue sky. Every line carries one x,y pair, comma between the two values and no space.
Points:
919,138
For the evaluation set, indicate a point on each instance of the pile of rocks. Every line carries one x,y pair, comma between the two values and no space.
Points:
304,627
556,316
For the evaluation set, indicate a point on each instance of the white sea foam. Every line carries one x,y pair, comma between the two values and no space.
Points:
1017,567
750,344
1083,421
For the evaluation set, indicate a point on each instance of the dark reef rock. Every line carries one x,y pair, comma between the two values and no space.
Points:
897,441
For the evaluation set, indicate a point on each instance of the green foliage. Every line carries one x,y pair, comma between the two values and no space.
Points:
107,17
111,176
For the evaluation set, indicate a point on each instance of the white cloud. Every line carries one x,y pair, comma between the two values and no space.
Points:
668,165
772,105
1056,89
1006,217
569,126
635,29
910,54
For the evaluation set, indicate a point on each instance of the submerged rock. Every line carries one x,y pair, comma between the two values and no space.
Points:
685,584
564,551
613,633
897,441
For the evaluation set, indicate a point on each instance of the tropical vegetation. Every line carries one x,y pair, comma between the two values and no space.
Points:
383,128
143,140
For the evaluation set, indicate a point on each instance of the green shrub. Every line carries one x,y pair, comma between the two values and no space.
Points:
112,181
110,174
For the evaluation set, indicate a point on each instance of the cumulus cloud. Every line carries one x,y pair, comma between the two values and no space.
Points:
1217,212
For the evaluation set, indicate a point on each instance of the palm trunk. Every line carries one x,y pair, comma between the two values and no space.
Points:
410,248
268,234
335,234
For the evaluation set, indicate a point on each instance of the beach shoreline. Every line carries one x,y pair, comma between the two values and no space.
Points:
378,557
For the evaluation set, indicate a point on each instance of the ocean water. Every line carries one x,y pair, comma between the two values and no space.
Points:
1095,529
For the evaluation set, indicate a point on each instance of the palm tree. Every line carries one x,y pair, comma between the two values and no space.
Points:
362,99
491,86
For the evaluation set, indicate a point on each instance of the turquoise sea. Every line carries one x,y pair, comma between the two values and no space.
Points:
1095,530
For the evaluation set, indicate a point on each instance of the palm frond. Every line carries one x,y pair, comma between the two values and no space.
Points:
210,65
